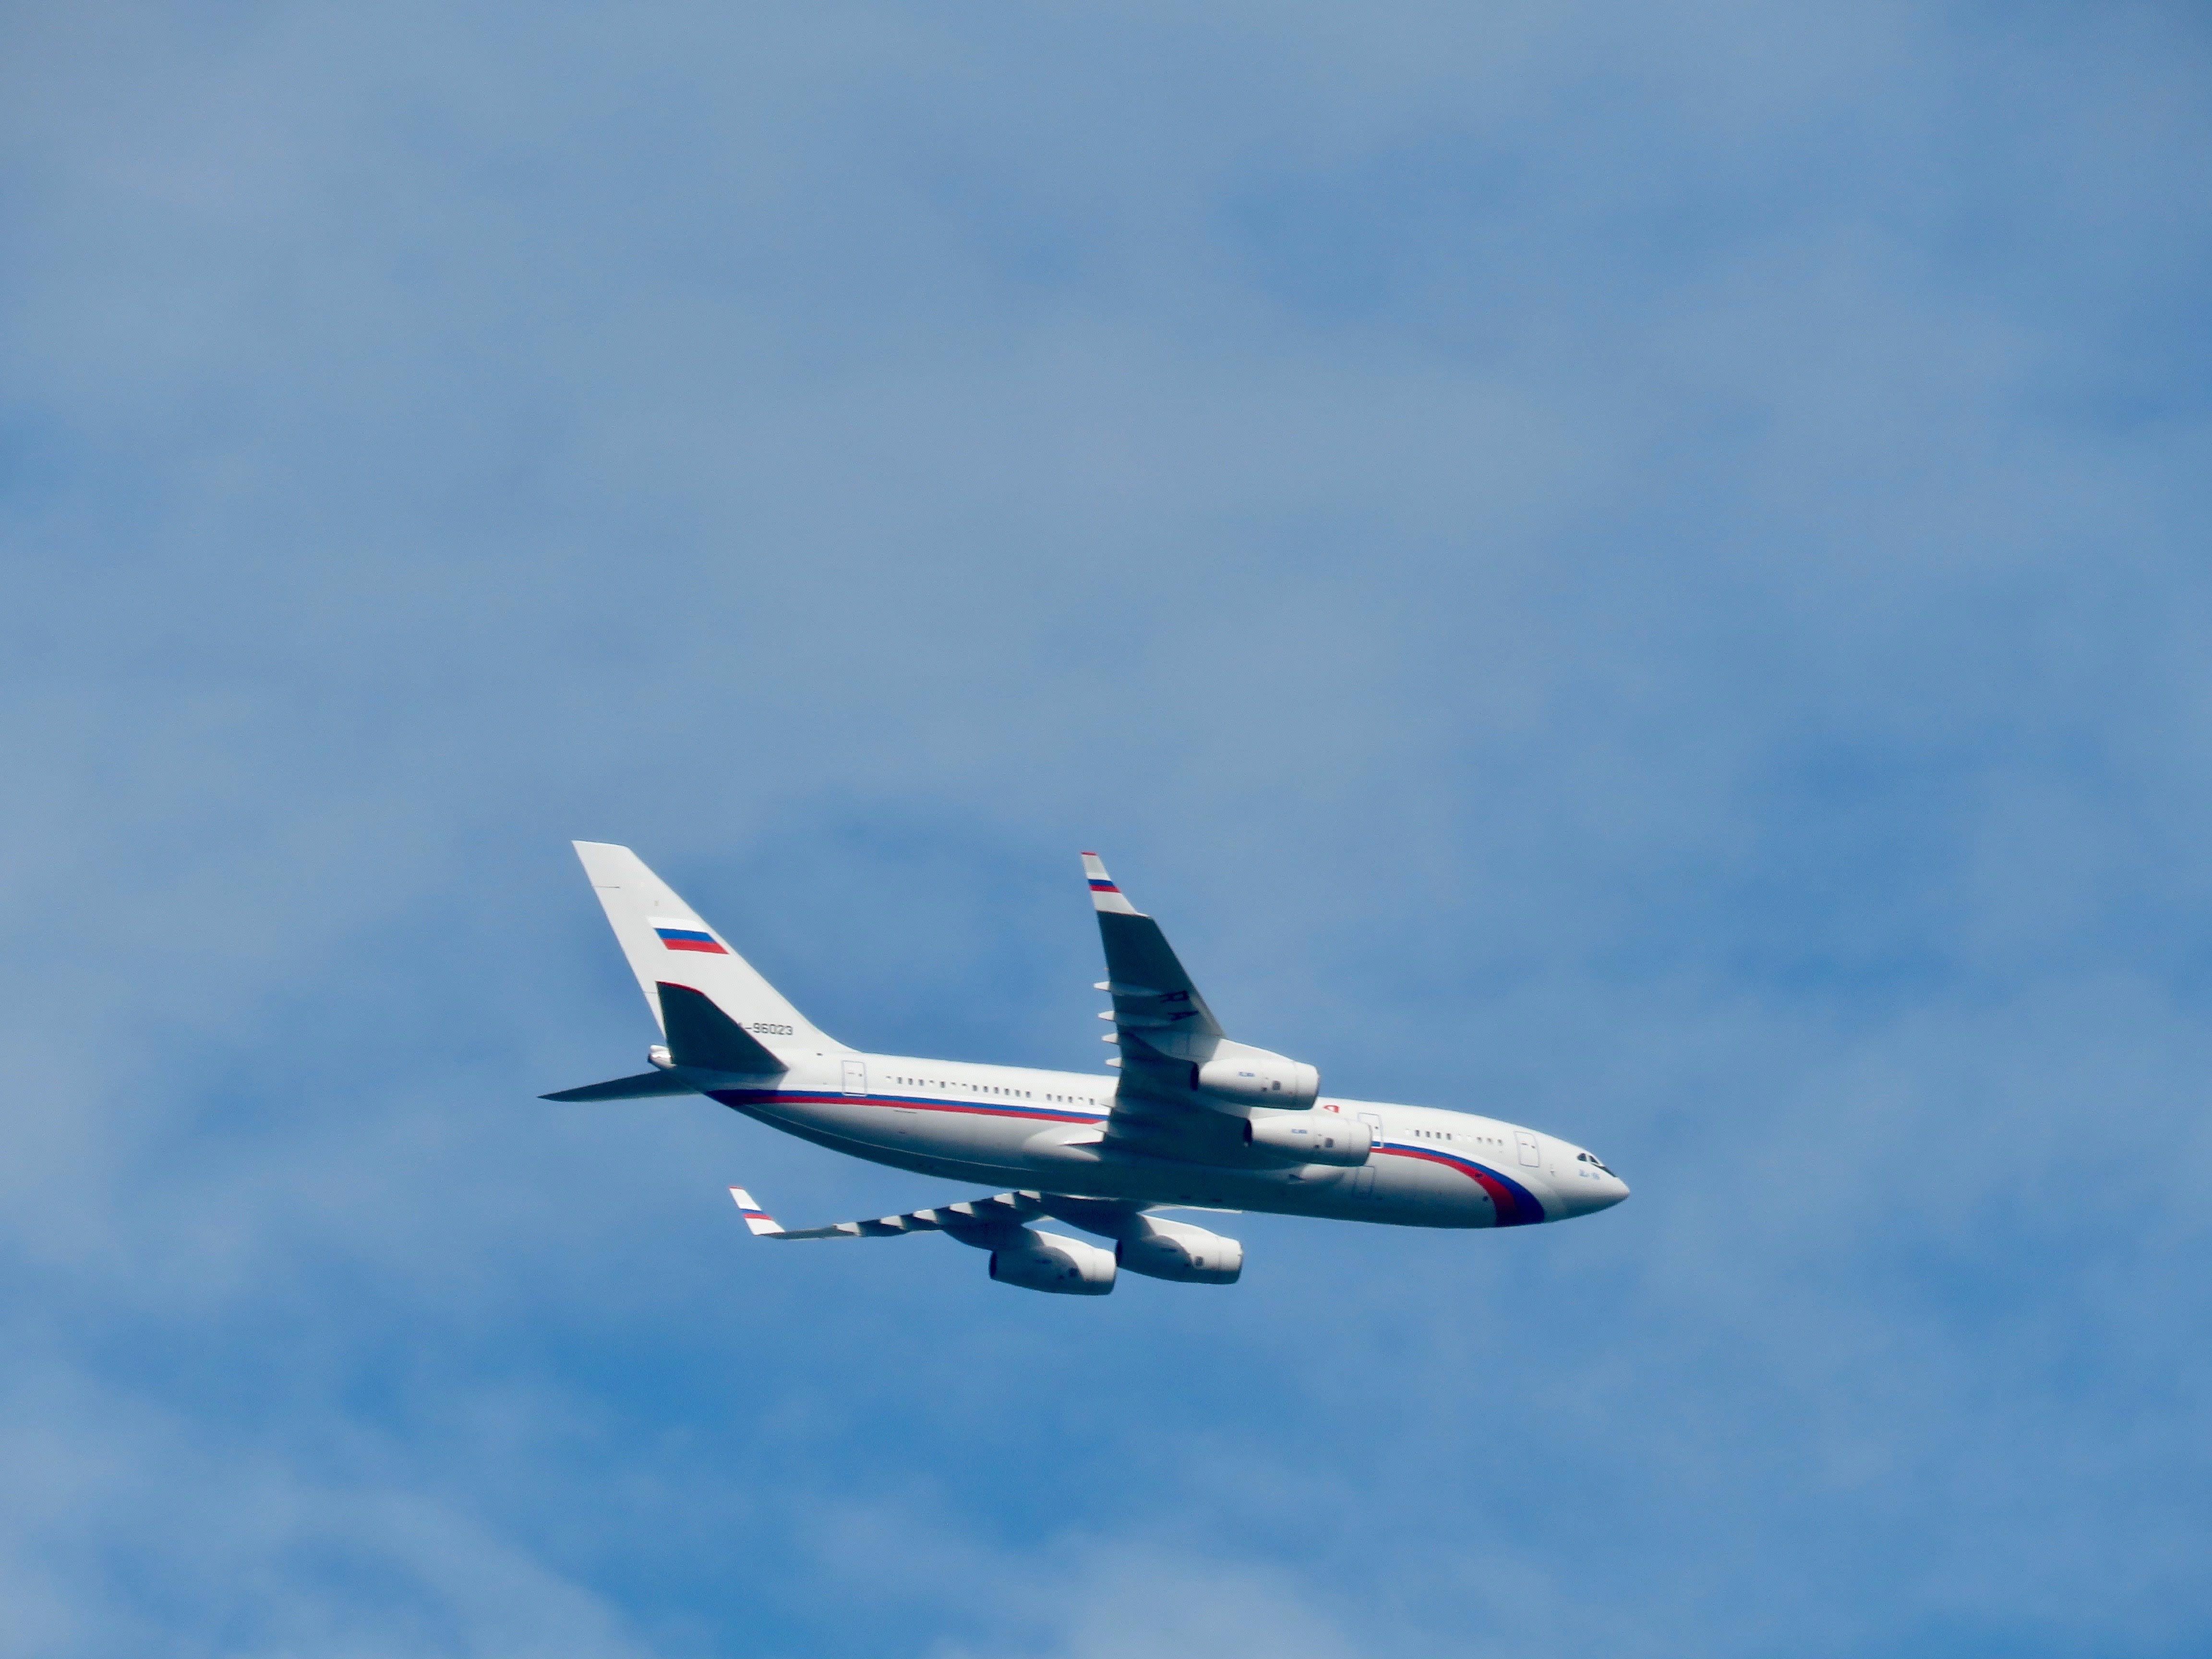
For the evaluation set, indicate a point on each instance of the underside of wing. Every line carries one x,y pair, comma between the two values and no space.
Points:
1186,1088
975,1221
1024,1257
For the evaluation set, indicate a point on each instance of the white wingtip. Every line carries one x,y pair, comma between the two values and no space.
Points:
1103,893
758,1221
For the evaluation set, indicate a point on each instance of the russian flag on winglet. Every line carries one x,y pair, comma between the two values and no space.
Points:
687,936
1103,893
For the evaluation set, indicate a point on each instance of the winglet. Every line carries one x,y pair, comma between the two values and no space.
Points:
758,1221
1103,893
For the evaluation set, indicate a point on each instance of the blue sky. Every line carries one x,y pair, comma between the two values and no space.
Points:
1639,567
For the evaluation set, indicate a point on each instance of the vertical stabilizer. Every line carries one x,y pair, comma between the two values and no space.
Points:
667,943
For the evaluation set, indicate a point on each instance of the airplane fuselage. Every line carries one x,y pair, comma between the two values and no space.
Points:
1015,1127
1186,1117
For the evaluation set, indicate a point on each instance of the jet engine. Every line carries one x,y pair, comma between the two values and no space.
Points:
1178,1251
1312,1138
1047,1261
1256,1078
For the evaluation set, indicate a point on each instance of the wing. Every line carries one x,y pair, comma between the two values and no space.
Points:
1159,1018
1185,1086
973,1223
984,1222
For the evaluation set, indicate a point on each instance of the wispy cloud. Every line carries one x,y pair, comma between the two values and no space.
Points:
1638,567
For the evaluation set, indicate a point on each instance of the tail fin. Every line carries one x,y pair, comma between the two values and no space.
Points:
668,945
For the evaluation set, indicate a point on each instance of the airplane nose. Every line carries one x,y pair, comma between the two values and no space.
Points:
1594,1187
1608,1190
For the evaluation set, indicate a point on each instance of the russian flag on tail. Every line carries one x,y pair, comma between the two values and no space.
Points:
687,936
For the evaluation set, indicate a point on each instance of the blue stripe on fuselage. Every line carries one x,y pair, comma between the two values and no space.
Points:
1528,1209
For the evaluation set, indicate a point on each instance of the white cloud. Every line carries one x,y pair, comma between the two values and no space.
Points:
1634,564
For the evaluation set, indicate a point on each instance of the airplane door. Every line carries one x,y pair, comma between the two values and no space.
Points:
856,1077
1531,1154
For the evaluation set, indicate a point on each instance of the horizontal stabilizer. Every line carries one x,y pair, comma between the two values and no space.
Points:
704,1038
641,1087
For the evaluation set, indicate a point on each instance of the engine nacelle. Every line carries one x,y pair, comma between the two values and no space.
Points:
1260,1080
1312,1138
1046,1261
1178,1251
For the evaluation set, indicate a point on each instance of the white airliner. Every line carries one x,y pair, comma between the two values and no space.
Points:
1188,1119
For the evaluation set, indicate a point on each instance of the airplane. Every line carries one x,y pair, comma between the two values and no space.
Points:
1187,1119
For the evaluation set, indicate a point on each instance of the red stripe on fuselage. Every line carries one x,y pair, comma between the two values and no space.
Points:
1503,1199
